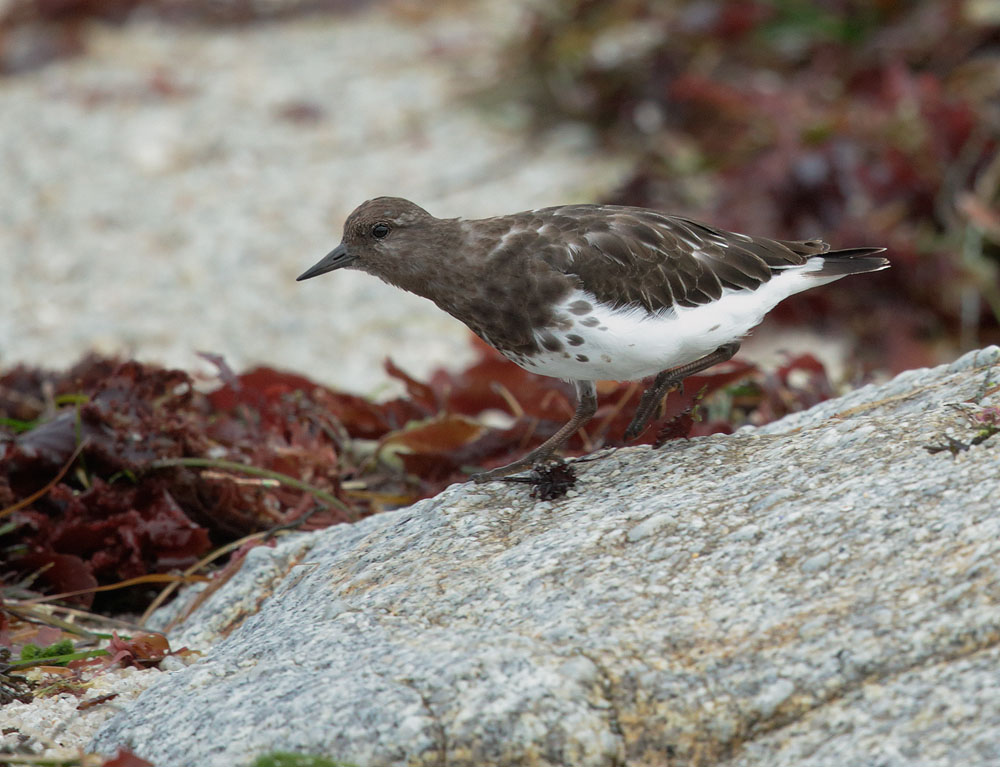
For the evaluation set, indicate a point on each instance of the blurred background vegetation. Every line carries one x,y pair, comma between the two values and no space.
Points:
866,122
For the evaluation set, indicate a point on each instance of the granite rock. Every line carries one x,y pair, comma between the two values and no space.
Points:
821,591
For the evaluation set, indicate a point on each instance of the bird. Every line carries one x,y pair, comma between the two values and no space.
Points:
590,292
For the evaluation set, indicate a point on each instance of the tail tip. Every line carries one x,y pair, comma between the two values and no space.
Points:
853,261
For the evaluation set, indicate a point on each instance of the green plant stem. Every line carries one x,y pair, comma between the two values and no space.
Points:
56,660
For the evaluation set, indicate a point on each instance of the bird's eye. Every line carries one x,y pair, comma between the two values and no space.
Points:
380,230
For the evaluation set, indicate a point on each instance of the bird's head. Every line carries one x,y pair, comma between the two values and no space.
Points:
381,237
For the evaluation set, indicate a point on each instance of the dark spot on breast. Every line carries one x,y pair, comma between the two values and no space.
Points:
574,339
606,358
550,342
714,327
590,322
580,307
603,327
582,358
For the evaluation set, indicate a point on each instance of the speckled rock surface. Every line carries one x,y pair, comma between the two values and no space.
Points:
820,592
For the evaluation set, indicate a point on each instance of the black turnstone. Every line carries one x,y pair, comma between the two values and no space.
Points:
590,292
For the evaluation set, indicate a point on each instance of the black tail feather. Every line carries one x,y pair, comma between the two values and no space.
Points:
851,261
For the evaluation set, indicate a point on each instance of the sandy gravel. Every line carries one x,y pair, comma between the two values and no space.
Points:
157,200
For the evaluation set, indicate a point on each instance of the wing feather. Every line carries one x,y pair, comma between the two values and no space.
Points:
637,257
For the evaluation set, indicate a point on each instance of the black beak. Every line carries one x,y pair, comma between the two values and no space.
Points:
335,259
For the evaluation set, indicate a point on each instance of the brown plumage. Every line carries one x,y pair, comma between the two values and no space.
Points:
590,291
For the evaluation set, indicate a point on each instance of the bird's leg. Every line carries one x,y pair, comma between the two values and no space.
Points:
666,379
586,406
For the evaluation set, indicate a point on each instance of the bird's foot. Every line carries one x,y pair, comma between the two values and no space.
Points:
649,405
549,480
637,426
500,472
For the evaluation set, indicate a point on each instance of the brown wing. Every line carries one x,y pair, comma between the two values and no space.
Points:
638,257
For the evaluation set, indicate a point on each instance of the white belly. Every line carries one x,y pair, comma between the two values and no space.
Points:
629,344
